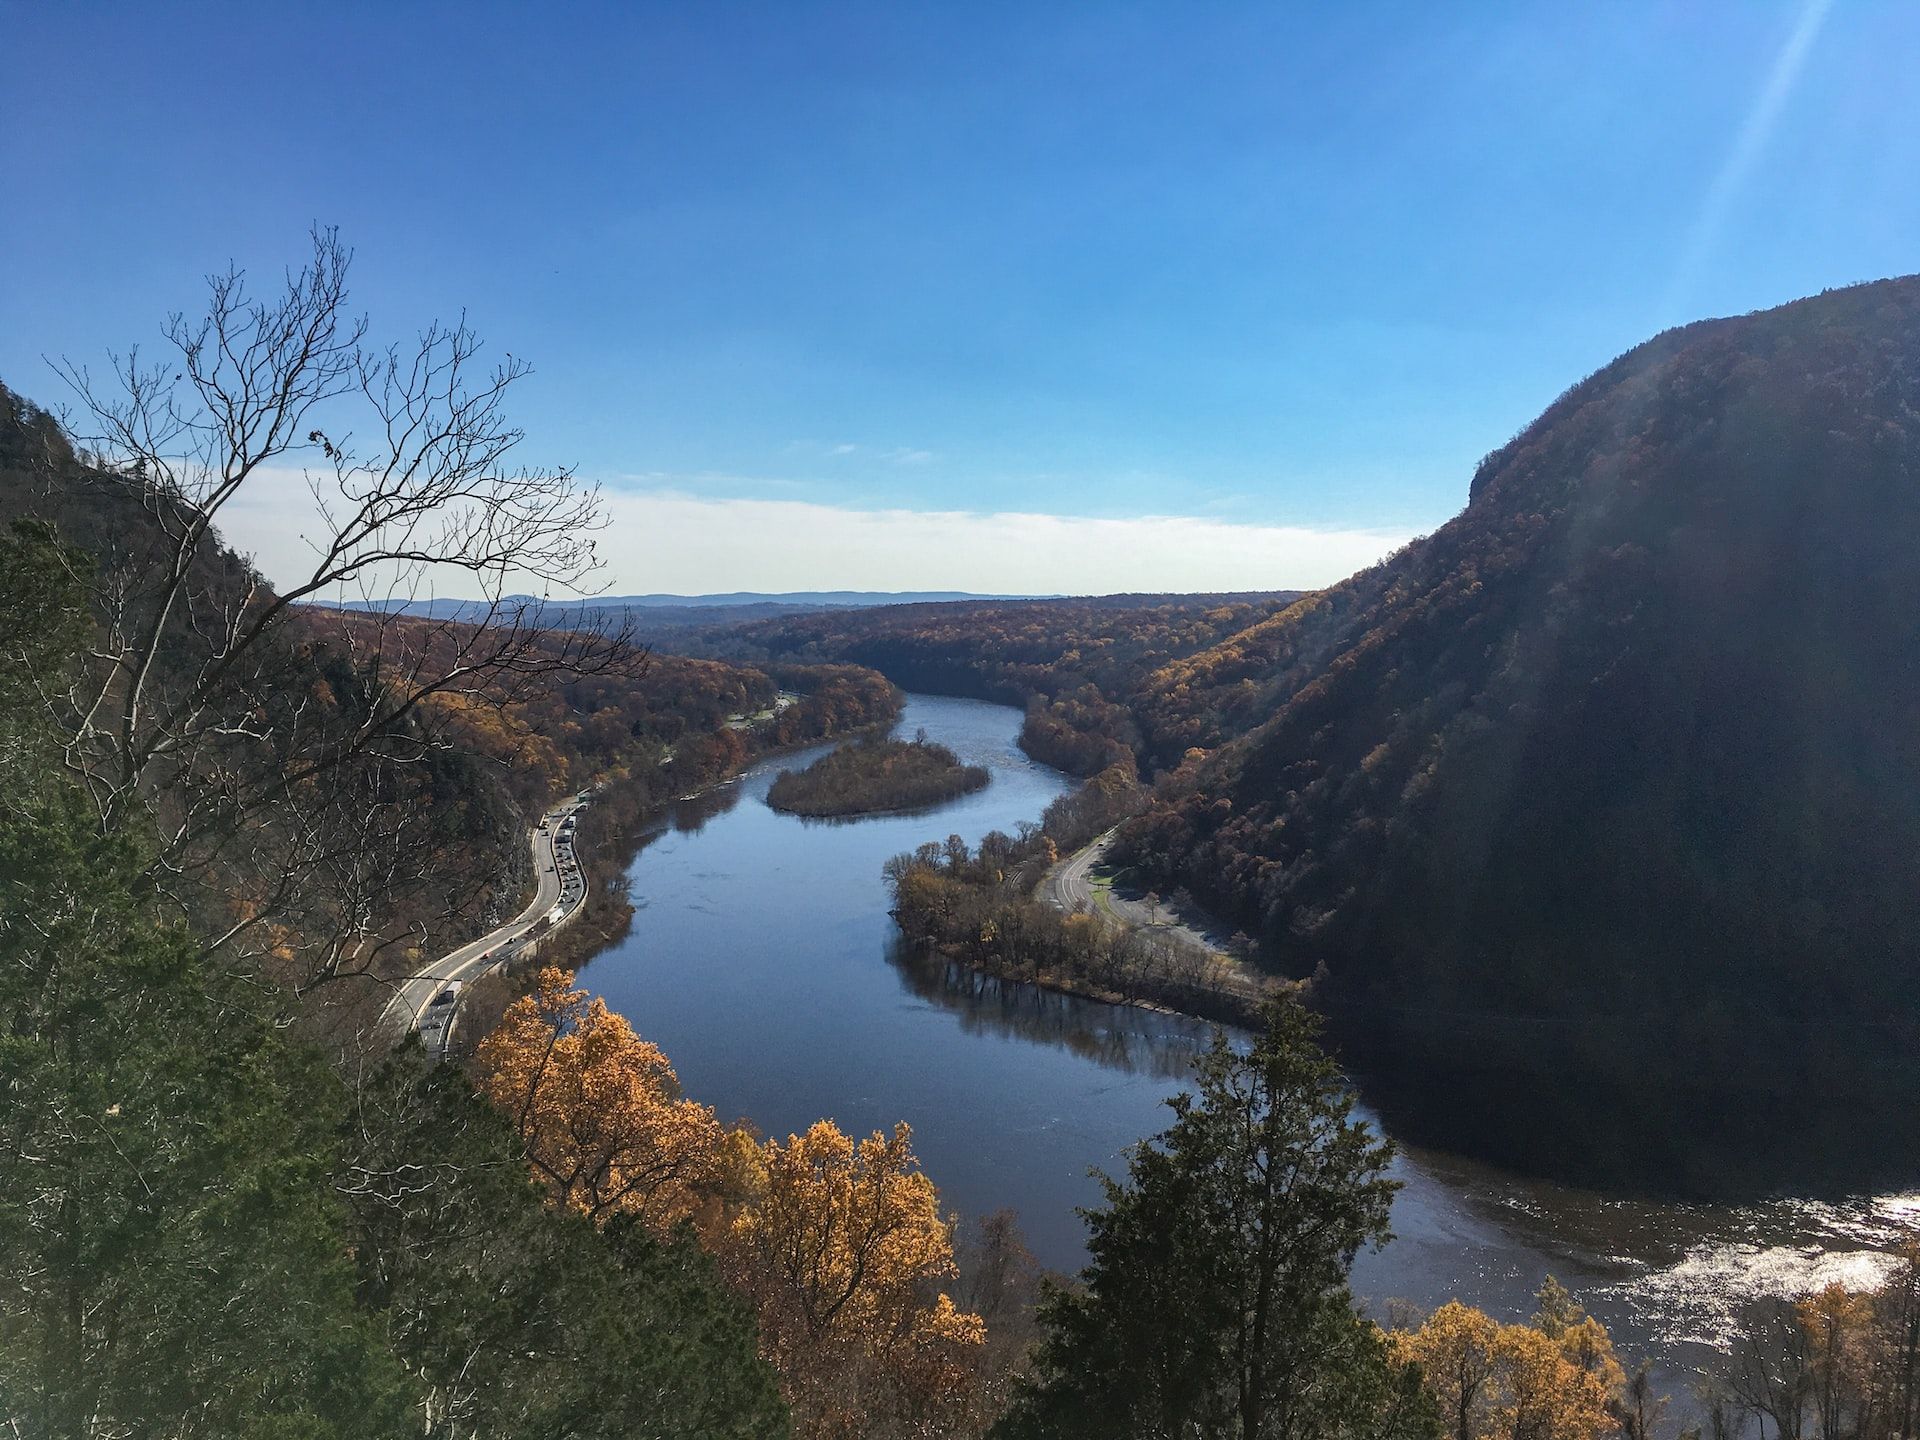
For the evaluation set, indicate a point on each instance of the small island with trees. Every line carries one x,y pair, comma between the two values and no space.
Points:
876,776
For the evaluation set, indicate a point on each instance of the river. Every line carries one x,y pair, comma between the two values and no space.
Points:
763,961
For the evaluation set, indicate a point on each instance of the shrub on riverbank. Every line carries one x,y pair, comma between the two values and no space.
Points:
876,775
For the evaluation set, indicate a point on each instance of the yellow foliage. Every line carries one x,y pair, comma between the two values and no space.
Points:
1454,1350
1587,1345
599,1109
1549,1381
1541,1394
488,730
838,1246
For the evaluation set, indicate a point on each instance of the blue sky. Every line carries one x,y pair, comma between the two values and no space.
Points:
1288,270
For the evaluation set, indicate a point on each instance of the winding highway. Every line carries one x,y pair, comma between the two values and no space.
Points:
430,1001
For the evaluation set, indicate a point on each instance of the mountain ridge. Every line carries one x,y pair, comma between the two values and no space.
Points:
1624,746
718,600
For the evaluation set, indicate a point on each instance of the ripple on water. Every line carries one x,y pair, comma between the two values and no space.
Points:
1786,1249
1698,1300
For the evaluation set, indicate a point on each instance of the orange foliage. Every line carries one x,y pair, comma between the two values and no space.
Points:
498,734
598,1108
838,1246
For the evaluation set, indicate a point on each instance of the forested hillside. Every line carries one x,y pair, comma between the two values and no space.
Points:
1075,664
1629,741
228,822
350,789
259,750
692,721
211,1232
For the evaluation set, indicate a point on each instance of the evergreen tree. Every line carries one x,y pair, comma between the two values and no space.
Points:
522,1319
1216,1300
176,1256
208,1234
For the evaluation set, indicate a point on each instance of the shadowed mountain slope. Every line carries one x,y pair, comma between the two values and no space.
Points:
1637,734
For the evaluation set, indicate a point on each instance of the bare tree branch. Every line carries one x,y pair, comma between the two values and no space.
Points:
259,734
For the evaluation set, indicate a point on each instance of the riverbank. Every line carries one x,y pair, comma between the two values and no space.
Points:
612,832
1240,1009
1011,910
762,957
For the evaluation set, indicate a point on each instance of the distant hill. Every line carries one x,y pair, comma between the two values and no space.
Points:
737,604
1621,767
803,599
1073,662
669,620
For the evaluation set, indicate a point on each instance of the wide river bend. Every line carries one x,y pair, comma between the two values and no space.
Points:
763,961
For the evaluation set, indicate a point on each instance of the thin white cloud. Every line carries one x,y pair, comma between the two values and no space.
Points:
669,540
853,450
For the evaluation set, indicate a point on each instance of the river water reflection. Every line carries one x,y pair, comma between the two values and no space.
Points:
763,961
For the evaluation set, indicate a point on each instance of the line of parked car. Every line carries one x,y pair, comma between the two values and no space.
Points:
437,1019
566,862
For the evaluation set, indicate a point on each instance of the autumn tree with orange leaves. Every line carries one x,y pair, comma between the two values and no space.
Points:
599,1109
1554,1379
841,1246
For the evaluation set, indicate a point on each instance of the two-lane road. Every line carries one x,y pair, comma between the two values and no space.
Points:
429,1001
1066,886
1069,887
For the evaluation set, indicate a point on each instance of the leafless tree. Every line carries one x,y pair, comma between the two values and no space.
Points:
1638,1409
261,734
1770,1378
